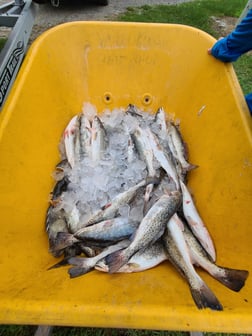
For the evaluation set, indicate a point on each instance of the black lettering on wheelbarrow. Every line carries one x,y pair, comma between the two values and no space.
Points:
113,59
9,69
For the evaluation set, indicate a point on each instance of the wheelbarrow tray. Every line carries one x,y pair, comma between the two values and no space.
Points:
110,65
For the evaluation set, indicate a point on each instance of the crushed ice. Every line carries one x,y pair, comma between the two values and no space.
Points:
94,185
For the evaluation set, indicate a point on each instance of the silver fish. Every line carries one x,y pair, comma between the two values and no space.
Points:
70,136
73,219
143,146
165,161
56,221
62,170
84,265
180,257
141,140
234,279
178,147
163,187
98,139
111,209
195,222
143,260
85,135
59,188
131,146
150,229
110,230
160,122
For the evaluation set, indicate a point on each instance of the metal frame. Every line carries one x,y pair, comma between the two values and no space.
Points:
245,11
20,15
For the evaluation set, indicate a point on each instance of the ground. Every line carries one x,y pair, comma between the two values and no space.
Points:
224,25
75,10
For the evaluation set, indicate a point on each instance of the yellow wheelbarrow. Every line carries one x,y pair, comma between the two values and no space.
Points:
111,65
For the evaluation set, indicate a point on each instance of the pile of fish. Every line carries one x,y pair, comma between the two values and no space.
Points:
121,202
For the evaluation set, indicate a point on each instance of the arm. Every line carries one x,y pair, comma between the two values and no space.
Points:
236,43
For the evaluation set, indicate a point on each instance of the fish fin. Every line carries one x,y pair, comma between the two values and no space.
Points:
62,241
116,260
189,167
101,266
72,251
193,166
63,262
205,298
232,278
131,267
74,272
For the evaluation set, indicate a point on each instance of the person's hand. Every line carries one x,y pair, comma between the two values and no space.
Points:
209,51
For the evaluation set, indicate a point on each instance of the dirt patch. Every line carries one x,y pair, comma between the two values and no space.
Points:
79,10
223,25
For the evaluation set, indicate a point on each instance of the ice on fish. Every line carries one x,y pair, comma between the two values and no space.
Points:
118,167
89,110
124,210
113,119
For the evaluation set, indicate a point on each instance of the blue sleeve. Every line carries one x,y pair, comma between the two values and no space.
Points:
236,43
248,98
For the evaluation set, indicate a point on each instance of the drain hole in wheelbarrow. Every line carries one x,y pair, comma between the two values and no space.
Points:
107,98
147,99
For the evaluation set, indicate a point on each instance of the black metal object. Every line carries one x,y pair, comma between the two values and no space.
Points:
19,15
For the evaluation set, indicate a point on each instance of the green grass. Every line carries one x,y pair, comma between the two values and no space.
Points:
16,330
197,14
2,42
243,69
112,332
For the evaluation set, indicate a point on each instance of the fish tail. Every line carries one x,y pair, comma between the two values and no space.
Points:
116,260
204,297
232,278
82,266
74,272
77,261
63,262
